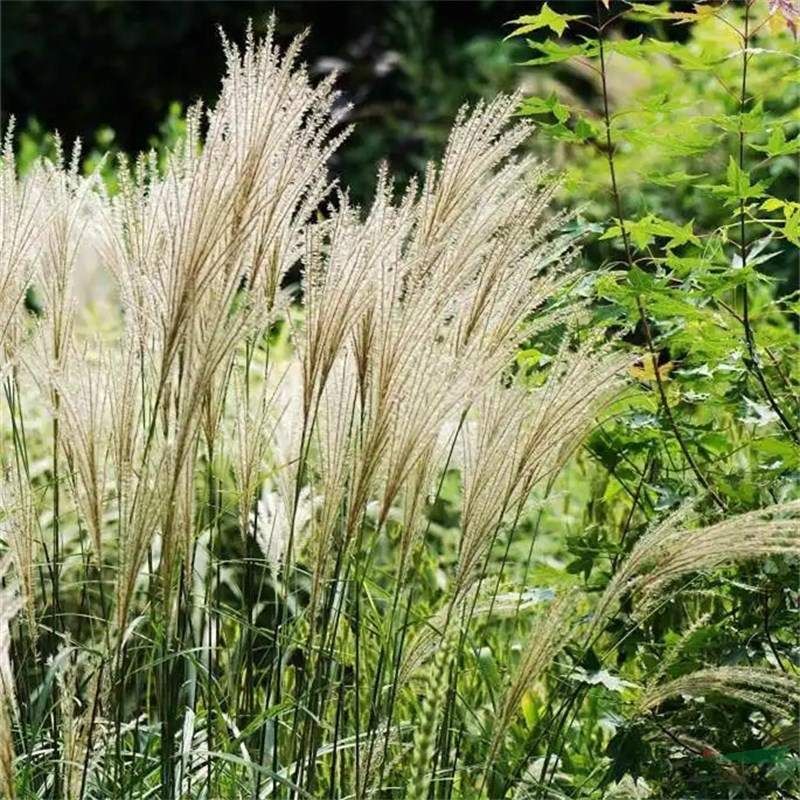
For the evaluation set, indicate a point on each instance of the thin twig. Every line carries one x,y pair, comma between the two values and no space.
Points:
753,362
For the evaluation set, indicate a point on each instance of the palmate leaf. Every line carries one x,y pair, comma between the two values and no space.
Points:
554,53
755,254
695,61
790,227
689,142
645,369
777,145
738,186
631,48
650,11
673,178
706,341
751,121
672,304
700,12
541,105
644,230
546,18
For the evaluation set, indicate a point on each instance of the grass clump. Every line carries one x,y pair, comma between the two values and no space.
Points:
220,507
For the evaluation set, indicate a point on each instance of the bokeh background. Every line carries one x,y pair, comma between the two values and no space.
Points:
111,72
119,73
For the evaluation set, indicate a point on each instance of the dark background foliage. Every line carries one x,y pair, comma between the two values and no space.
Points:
407,66
82,66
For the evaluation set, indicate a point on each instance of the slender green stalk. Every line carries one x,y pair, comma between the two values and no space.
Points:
653,353
754,361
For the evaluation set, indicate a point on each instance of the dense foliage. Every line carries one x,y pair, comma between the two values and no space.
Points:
686,166
488,489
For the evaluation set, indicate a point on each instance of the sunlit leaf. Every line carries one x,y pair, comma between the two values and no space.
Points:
602,677
645,369
546,18
758,413
700,12
554,53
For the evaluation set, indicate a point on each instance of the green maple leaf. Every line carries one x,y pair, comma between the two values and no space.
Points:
546,18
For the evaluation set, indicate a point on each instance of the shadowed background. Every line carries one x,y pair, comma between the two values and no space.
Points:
109,71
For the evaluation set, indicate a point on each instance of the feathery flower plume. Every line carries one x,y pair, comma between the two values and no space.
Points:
19,528
549,635
70,228
766,689
524,435
24,212
669,551
199,253
84,411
